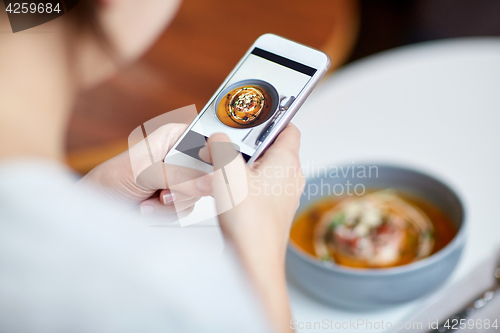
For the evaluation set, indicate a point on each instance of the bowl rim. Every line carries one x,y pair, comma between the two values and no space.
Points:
266,85
457,241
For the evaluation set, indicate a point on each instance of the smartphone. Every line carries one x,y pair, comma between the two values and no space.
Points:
256,101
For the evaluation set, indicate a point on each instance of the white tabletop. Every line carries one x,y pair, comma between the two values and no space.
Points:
432,106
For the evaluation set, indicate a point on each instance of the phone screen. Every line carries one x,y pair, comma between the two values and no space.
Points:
249,103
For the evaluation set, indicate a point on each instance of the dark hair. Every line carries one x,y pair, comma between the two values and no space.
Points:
84,17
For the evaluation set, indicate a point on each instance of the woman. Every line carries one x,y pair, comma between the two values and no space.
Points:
73,262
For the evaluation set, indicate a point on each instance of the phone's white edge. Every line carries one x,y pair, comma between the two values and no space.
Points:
272,43
292,50
321,63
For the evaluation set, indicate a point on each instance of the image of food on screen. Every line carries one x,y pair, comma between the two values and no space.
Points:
244,106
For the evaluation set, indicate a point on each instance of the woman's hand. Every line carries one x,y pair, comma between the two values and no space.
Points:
259,226
118,182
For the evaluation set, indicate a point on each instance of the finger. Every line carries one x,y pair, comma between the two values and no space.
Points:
204,154
167,197
154,207
285,149
164,139
289,138
222,151
153,149
186,183
229,182
179,179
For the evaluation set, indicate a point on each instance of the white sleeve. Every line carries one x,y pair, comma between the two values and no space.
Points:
68,264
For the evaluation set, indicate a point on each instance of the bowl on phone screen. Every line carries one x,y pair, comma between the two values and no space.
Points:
246,103
394,236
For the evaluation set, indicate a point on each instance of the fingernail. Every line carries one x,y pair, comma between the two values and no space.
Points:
168,198
147,210
204,184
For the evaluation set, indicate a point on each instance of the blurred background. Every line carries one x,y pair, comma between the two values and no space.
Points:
206,40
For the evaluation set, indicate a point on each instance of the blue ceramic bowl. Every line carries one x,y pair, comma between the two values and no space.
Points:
374,288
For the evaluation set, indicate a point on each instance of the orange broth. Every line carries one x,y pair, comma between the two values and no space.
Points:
302,233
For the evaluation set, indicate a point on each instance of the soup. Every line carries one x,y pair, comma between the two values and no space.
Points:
380,229
244,107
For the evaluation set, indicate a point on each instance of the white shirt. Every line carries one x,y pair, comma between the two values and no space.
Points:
70,262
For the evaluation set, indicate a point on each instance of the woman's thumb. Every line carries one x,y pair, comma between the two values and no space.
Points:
230,182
